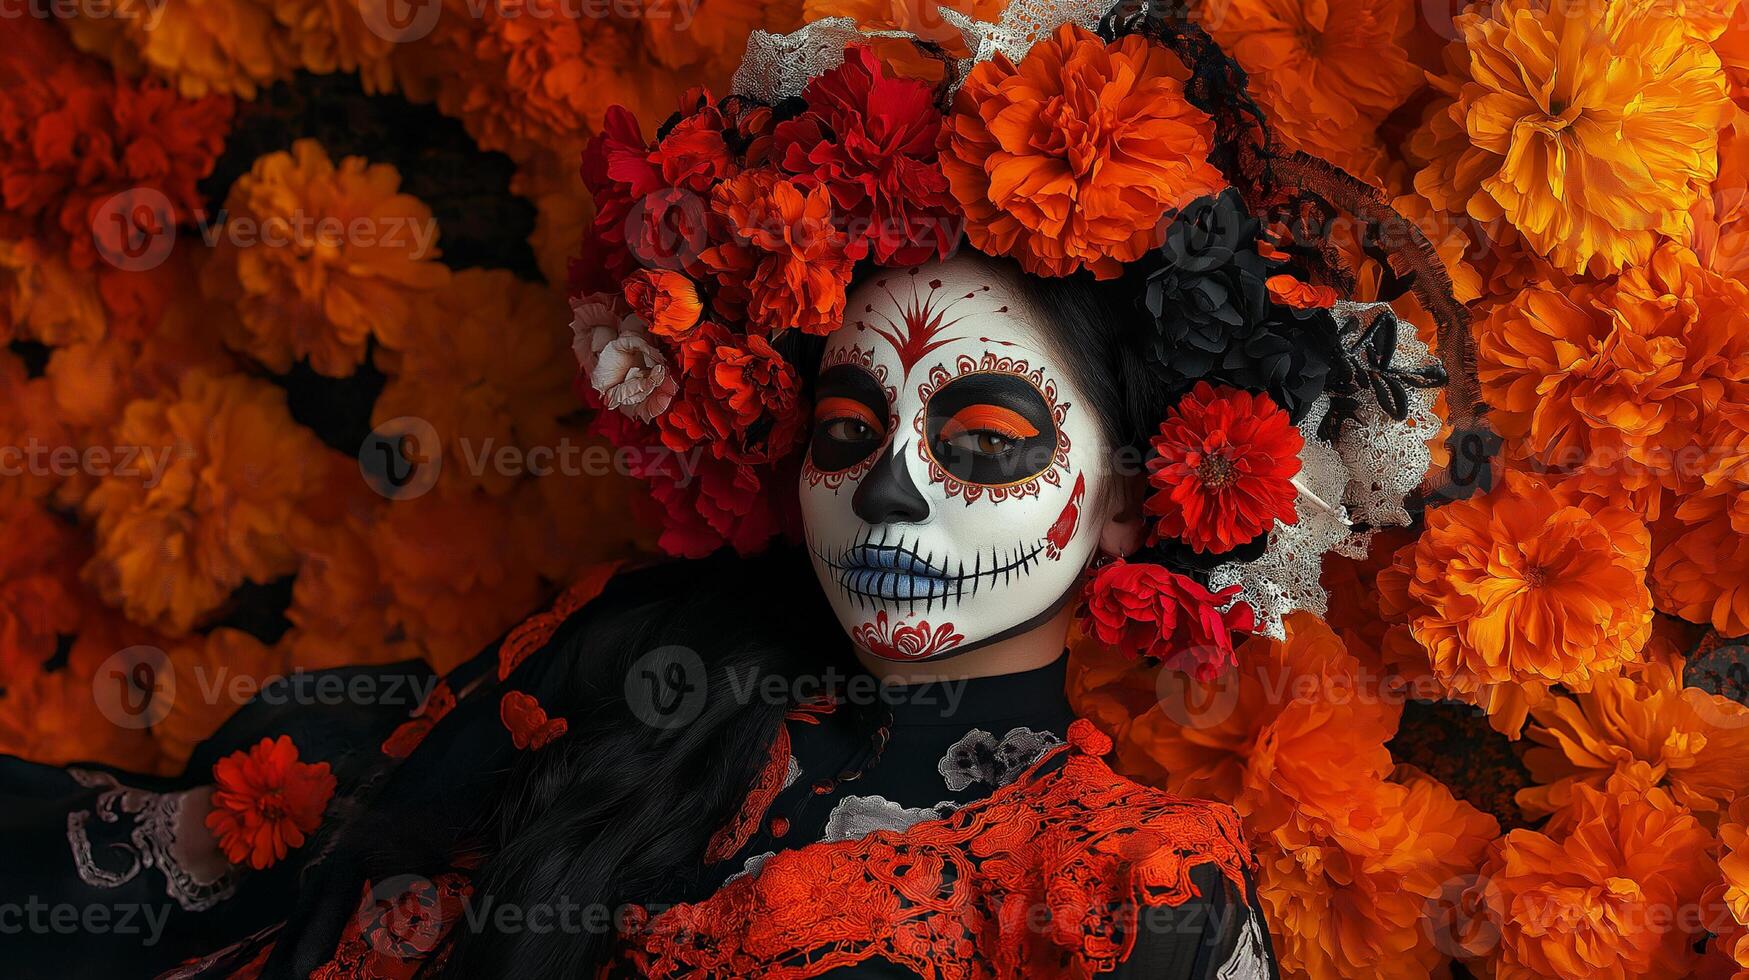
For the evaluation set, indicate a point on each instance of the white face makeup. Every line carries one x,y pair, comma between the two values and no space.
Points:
951,484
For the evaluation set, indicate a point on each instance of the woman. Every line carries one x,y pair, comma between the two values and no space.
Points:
856,758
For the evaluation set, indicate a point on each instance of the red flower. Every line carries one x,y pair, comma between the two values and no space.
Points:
265,801
1150,611
789,263
527,721
667,302
1288,291
1225,461
870,140
738,397
80,150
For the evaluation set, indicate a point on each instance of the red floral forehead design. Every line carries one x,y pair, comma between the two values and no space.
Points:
1077,140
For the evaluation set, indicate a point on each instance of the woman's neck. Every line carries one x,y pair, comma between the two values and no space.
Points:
1035,648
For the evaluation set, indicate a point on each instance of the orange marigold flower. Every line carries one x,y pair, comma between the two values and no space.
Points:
1590,128
1702,573
39,586
230,47
563,212
1721,218
341,611
1696,743
1606,889
265,802
327,36
1530,585
451,593
667,302
330,255
486,360
53,719
574,518
789,263
222,473
1283,736
1732,939
219,673
711,41
1613,382
80,151
1326,73
1071,159
44,299
1341,907
533,75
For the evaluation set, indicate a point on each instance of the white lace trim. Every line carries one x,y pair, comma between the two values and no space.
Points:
778,66
979,758
1364,477
856,817
153,842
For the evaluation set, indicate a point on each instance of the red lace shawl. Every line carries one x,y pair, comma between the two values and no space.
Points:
1042,878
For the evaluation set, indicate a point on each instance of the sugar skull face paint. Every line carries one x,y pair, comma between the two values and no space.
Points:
953,467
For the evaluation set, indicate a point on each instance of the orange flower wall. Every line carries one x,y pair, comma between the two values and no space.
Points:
287,384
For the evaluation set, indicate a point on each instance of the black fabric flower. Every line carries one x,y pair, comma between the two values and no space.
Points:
1206,298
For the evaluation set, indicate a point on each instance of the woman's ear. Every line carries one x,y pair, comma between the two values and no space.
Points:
1121,534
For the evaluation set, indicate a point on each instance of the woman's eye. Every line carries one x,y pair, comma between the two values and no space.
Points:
983,441
847,430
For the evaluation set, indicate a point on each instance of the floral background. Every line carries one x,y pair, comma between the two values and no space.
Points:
248,247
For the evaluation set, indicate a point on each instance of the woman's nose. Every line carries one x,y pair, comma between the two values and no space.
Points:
888,495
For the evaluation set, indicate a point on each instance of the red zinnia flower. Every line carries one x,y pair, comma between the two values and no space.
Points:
265,801
527,721
869,139
1223,472
1150,611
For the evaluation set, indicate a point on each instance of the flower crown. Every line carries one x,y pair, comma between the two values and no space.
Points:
1076,140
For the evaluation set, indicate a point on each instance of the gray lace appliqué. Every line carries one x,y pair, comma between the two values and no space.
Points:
979,758
858,816
157,819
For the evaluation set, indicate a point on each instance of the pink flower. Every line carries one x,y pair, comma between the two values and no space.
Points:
633,378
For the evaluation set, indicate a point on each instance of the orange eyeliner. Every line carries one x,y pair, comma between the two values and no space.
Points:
989,418
839,407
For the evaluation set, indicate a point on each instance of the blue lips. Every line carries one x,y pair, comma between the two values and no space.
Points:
892,573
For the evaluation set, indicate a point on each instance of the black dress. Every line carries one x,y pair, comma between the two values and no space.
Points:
955,830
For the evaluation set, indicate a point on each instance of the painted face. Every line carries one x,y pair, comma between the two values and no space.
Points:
950,484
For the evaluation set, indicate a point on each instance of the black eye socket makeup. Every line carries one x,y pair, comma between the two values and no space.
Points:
850,418
990,429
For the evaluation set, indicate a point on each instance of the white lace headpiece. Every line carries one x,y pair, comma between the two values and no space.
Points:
1361,479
